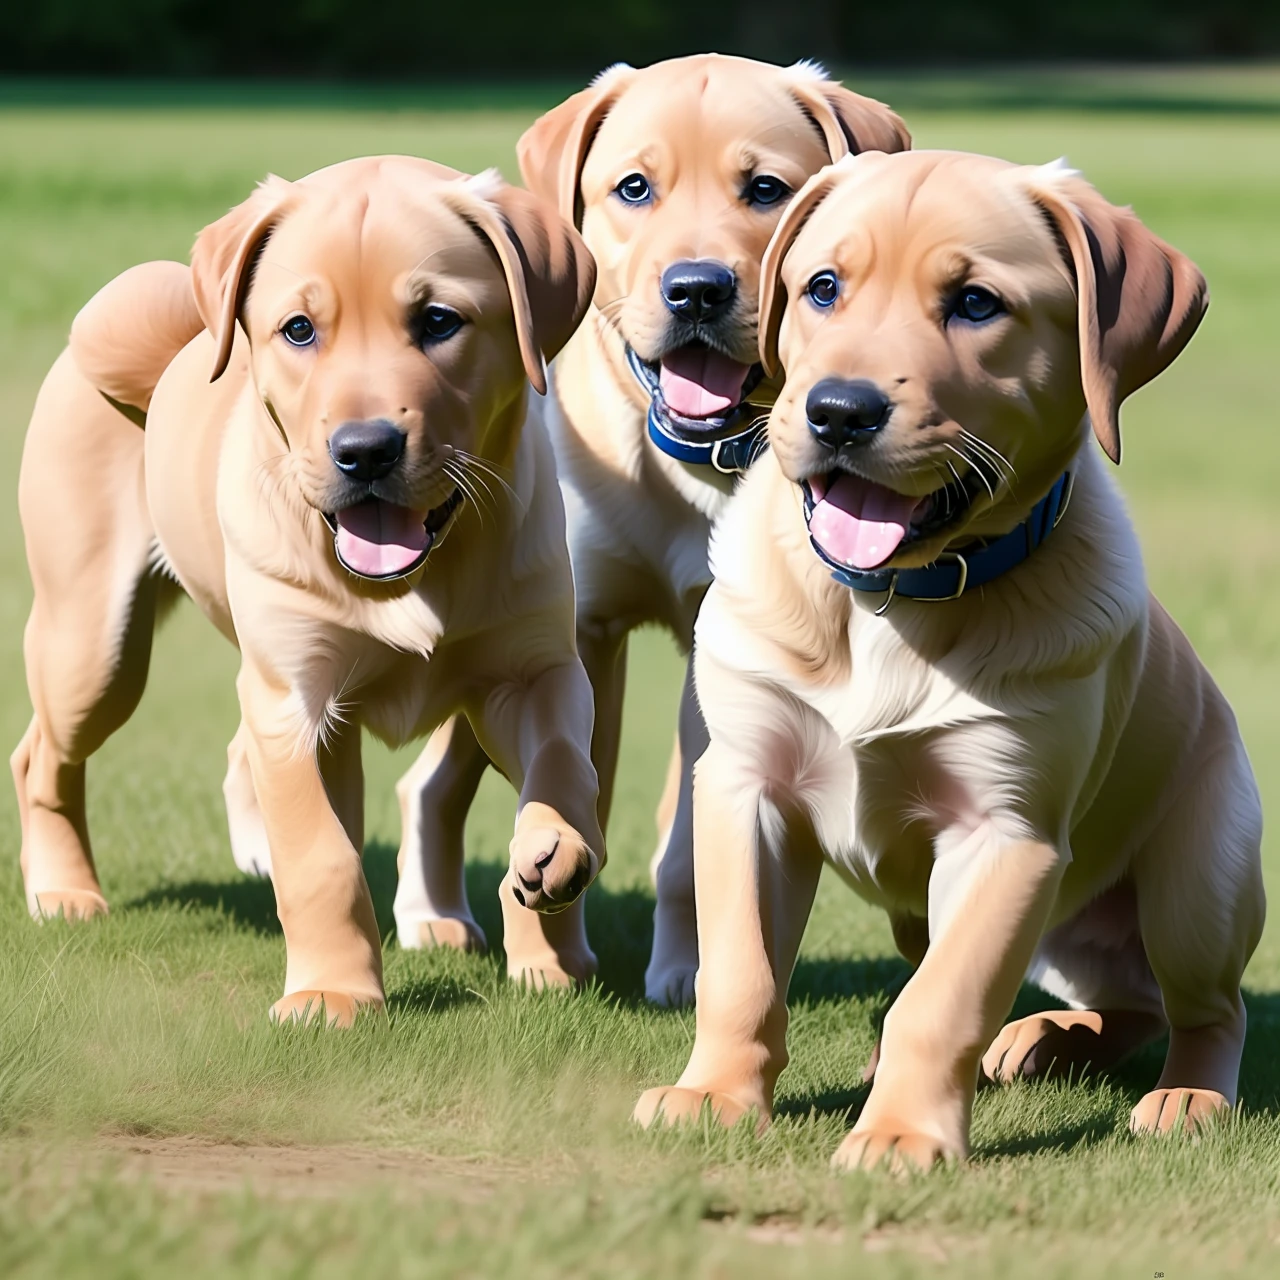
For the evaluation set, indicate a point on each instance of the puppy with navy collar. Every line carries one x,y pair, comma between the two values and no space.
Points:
677,175
930,659
328,394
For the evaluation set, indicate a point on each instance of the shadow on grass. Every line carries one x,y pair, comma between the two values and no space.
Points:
620,925
246,901
428,995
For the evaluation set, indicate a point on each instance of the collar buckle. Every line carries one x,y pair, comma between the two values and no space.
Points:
890,592
962,581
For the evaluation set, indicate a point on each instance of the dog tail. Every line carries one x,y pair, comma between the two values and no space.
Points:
127,334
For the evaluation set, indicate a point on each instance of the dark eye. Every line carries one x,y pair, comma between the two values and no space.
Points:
299,331
824,289
436,323
635,189
765,189
975,304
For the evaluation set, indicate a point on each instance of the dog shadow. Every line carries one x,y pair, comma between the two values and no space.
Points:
620,925
619,921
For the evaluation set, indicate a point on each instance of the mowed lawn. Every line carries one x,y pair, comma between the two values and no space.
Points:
152,1122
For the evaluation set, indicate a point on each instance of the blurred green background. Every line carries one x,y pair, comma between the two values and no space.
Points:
500,1118
409,39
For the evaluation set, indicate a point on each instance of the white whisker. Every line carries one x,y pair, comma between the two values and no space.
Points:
1009,472
485,467
460,478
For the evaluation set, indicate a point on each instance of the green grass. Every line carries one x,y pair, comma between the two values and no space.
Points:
498,1120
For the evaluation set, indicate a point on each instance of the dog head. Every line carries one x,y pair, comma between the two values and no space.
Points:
945,321
677,175
396,311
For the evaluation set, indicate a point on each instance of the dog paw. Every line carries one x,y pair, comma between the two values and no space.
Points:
462,934
1035,1046
338,1009
551,864
672,985
672,1104
1185,1110
547,970
898,1149
67,904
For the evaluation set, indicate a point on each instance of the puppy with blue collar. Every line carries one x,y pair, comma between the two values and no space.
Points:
930,659
677,175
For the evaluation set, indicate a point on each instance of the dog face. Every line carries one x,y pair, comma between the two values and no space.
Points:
678,174
944,321
395,313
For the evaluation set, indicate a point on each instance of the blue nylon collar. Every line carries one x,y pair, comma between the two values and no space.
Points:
950,578
732,455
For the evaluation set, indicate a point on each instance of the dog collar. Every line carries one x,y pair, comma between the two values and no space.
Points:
950,576
732,455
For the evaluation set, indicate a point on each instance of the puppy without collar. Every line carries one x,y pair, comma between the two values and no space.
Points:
329,395
1035,775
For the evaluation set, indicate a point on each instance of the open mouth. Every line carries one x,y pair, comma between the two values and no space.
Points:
382,541
857,524
697,394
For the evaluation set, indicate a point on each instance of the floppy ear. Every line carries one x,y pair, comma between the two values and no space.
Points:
550,273
773,293
222,262
554,148
850,123
1139,299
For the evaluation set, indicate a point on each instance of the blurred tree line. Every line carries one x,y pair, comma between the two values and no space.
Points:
401,39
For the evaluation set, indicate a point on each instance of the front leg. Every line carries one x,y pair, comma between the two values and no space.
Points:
989,899
756,873
310,801
539,734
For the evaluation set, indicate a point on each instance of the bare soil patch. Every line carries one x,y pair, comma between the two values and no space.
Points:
191,1165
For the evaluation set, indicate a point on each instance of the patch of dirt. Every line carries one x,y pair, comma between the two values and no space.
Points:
192,1165
786,1231
929,1244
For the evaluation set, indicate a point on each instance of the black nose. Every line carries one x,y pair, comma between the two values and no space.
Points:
366,450
841,412
699,290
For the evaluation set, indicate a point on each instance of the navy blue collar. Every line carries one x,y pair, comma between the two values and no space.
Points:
732,455
949,577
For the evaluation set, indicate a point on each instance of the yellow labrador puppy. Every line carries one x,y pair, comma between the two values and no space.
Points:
677,174
371,332
930,657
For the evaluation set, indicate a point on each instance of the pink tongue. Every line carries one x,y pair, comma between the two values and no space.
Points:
698,382
378,538
857,522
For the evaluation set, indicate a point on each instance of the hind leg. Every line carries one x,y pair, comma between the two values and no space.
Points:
1201,907
665,815
431,907
673,963
249,845
911,937
1095,962
88,638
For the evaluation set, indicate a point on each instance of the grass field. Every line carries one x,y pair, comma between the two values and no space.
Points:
151,1122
